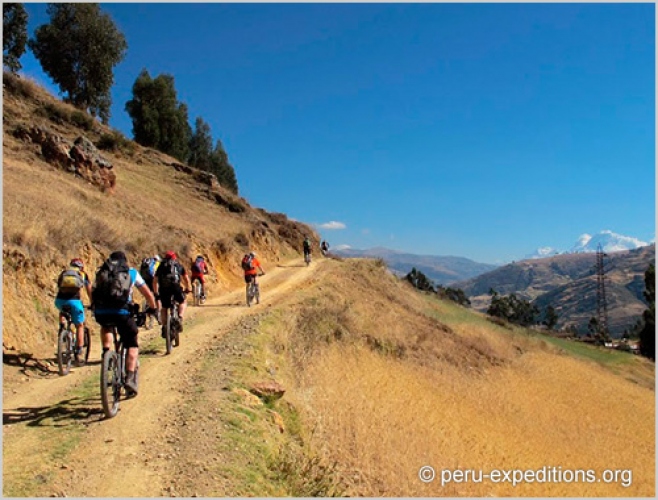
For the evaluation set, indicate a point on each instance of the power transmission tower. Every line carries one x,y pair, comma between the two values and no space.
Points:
601,302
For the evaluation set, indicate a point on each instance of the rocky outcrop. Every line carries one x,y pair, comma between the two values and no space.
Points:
81,158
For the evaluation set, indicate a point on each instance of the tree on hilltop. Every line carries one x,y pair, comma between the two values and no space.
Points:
201,146
419,280
159,120
78,49
222,168
512,308
14,35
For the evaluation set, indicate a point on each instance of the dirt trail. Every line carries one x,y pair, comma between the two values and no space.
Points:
123,456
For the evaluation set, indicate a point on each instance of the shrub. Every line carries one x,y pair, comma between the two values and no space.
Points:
55,113
19,86
82,120
115,142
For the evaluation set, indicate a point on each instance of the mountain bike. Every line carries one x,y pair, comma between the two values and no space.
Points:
253,291
150,317
113,369
307,258
66,342
199,299
172,325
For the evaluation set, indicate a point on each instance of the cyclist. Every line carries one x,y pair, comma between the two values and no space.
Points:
112,299
147,270
199,270
307,247
324,247
70,283
167,283
251,265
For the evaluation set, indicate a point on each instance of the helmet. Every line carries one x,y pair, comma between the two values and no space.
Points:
252,254
157,258
199,257
77,262
170,255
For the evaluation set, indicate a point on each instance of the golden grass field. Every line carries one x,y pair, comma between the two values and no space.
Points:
458,394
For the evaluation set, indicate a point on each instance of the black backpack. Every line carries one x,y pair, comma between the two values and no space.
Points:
247,263
112,287
196,266
146,269
170,274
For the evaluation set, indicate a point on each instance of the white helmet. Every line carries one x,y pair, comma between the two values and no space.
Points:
157,258
253,254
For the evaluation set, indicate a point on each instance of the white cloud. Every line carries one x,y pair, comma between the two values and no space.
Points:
342,247
332,225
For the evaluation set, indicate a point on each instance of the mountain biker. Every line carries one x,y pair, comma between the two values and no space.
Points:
147,271
251,264
167,284
199,270
116,277
324,247
70,283
307,246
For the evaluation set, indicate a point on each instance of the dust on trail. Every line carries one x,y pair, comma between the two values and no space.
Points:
124,456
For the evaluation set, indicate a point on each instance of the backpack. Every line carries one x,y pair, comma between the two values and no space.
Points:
170,274
70,280
112,284
247,263
147,269
196,267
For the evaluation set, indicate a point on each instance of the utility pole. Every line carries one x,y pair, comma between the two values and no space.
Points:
601,302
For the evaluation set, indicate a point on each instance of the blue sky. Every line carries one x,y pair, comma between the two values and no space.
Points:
476,130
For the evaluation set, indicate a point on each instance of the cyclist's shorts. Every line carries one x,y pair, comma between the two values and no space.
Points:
166,293
199,277
248,278
125,324
77,309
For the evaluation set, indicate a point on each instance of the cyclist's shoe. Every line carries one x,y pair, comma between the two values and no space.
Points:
131,384
179,326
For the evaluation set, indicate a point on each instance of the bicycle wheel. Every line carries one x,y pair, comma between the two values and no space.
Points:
87,346
197,293
168,333
257,294
64,350
148,324
175,331
110,383
249,295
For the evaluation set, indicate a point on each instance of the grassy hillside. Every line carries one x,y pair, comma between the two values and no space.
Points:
50,216
384,380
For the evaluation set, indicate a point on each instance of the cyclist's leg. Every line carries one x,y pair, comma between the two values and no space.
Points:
202,279
128,331
78,319
182,303
165,304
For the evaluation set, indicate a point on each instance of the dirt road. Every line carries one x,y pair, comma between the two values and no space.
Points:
57,443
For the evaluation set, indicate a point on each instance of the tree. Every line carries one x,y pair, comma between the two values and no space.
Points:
159,120
419,280
14,35
550,318
78,49
454,294
648,333
512,308
221,167
201,146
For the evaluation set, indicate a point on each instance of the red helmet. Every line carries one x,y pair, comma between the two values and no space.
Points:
77,262
171,255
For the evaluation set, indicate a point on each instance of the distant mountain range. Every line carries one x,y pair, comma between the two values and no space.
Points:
568,283
443,270
609,241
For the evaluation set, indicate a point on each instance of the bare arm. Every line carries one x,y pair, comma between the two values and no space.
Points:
144,290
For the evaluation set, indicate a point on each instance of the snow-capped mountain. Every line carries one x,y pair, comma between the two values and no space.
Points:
609,241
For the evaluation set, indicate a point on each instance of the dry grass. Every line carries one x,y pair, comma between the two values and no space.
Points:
50,216
464,393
